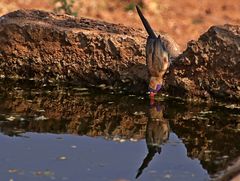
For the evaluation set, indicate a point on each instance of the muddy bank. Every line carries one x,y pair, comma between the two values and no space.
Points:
47,47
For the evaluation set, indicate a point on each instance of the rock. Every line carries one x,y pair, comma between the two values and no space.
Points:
51,48
48,47
209,68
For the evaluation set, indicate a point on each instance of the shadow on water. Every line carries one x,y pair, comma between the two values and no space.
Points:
210,133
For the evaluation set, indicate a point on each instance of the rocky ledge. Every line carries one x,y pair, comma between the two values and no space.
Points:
209,68
48,47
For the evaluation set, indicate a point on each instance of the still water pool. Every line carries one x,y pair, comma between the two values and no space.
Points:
72,133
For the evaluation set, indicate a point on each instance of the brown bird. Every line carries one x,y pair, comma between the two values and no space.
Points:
160,51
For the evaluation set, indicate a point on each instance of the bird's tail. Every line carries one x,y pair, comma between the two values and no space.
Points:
146,24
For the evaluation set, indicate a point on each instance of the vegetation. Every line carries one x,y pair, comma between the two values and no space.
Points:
65,6
131,5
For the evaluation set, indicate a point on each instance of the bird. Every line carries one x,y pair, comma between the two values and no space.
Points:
161,50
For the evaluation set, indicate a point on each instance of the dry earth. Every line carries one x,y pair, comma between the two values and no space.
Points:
184,21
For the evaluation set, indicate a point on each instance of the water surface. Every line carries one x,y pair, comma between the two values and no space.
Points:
72,133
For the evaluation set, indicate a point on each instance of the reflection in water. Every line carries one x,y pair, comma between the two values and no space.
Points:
207,131
231,173
157,132
71,110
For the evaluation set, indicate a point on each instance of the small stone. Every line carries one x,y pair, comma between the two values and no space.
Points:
40,118
139,113
168,176
133,140
225,156
12,170
122,140
62,158
11,118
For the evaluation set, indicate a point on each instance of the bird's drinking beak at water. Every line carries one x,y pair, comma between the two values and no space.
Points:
159,50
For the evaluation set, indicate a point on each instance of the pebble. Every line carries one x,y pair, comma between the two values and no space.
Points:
11,118
62,158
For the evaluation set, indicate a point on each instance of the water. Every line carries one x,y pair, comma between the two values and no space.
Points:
72,133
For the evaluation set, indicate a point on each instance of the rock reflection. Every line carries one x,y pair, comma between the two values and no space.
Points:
157,133
67,110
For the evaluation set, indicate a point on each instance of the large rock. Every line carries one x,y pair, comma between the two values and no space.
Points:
45,46
209,68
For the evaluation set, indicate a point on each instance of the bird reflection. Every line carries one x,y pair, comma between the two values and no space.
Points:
157,132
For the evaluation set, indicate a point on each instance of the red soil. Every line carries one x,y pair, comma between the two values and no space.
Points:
183,20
